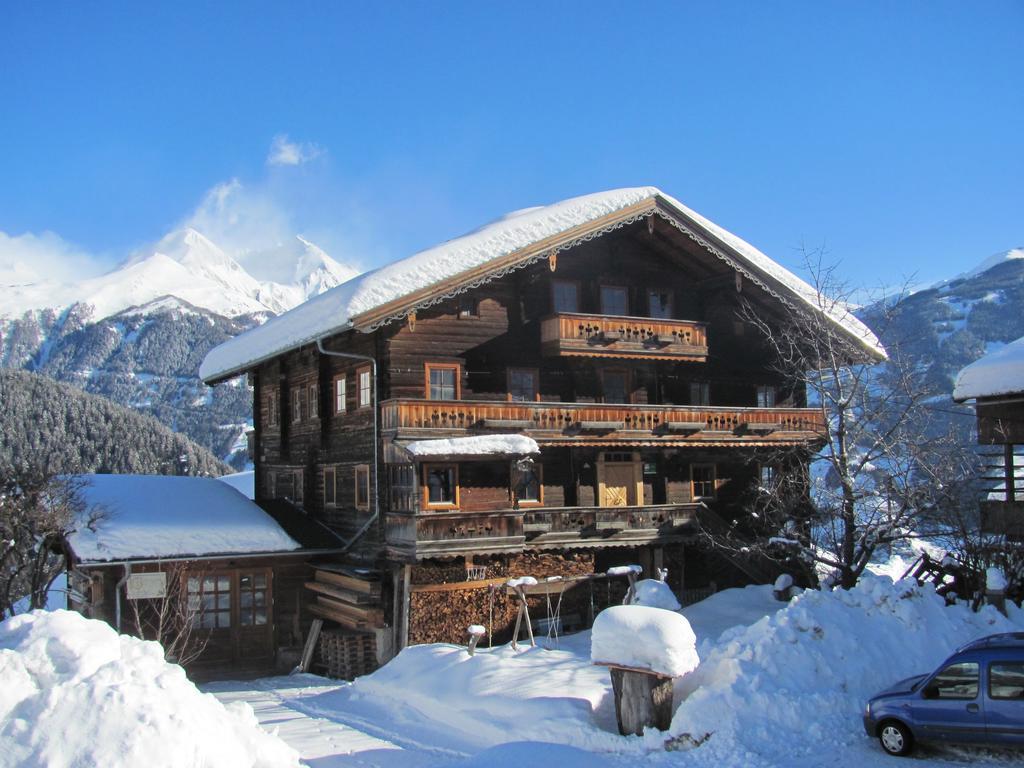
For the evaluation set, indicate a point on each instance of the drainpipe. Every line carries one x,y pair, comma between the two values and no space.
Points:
117,594
373,404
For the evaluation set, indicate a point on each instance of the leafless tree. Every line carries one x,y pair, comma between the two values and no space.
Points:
172,619
883,472
37,513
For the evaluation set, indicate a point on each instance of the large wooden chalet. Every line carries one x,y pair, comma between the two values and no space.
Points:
567,388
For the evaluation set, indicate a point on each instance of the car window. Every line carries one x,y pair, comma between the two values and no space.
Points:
1006,680
957,681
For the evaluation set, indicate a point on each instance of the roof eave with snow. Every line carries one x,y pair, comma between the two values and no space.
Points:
997,374
518,240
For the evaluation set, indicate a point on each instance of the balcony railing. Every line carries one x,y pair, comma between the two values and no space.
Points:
581,423
430,534
624,337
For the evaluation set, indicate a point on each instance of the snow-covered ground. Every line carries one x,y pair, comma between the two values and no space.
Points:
778,685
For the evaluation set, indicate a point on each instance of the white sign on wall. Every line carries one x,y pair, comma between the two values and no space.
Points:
145,586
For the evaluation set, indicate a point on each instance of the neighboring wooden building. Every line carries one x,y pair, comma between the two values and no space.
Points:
232,572
996,385
605,329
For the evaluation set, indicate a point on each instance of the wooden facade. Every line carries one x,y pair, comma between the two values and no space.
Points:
625,358
1001,431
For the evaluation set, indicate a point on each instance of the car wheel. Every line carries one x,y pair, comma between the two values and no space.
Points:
895,738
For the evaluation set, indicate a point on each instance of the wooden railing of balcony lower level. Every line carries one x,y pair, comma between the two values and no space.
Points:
431,534
630,337
594,422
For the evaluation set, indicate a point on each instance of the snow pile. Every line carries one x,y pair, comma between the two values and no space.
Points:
655,594
476,445
995,581
791,687
243,482
76,693
157,516
784,582
997,373
644,638
484,700
624,570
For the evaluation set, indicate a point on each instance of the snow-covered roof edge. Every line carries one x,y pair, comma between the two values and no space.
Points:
998,373
509,243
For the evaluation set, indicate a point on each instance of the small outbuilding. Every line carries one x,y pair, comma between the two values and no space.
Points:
193,558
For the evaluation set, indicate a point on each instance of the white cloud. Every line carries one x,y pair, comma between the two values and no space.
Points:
46,257
286,152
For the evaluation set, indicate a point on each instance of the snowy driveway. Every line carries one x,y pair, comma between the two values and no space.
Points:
779,691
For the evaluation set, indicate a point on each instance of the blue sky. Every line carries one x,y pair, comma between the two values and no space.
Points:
890,133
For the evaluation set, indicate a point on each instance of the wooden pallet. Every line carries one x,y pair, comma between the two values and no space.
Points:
345,654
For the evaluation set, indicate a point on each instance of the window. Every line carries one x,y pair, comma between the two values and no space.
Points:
272,415
442,381
702,481
659,304
957,681
314,401
297,396
765,396
468,307
565,296
700,393
362,486
340,394
615,386
252,599
522,385
1006,680
768,476
330,486
365,387
614,300
527,488
209,601
441,485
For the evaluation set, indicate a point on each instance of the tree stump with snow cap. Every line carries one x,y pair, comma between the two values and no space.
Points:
645,648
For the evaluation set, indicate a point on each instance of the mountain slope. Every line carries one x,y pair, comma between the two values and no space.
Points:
55,427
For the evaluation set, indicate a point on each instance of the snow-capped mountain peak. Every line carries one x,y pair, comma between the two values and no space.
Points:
187,265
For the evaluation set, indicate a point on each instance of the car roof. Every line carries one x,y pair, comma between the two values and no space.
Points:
1004,640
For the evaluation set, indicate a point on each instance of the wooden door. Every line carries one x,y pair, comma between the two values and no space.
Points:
254,629
617,490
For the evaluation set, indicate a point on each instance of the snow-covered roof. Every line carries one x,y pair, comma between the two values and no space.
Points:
493,249
153,516
998,373
476,445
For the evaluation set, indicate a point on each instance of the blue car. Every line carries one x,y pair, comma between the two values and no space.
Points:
975,696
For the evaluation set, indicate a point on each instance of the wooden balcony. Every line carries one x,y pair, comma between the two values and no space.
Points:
412,536
603,424
623,337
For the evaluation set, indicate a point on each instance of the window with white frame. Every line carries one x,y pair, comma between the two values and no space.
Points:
365,387
766,396
340,394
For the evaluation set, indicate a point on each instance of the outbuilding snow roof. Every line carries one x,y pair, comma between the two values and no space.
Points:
998,373
494,249
155,516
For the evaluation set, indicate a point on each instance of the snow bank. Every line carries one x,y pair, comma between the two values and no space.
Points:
158,516
484,700
655,594
76,693
243,482
997,373
644,638
476,445
791,687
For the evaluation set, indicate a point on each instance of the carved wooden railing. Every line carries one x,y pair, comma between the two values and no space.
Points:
437,533
408,417
630,337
